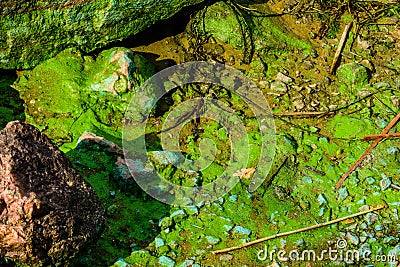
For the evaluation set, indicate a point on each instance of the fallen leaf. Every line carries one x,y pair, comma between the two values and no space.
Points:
245,173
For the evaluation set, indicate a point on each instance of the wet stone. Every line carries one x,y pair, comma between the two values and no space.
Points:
371,218
187,263
393,150
178,215
283,78
279,87
385,182
322,200
370,180
233,198
354,239
166,261
308,65
213,240
159,242
165,222
241,230
343,193
226,257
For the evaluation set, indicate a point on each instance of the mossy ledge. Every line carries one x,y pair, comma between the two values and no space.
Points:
33,31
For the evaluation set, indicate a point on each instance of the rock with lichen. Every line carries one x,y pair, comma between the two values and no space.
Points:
32,31
48,213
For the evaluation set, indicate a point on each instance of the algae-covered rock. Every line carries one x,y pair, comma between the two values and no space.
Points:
70,93
353,74
227,24
33,31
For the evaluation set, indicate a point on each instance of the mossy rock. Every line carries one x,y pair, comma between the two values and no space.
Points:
71,93
222,21
353,74
33,31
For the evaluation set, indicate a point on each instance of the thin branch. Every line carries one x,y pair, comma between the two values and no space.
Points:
376,136
340,46
374,144
302,114
378,207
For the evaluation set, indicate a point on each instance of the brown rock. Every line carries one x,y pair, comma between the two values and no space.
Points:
48,213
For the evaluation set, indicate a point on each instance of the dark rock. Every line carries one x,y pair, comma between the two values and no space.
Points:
32,31
48,213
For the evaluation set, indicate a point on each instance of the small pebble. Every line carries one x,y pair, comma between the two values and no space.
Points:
393,150
166,261
242,230
343,193
352,238
322,200
385,182
233,198
226,257
370,180
371,218
283,78
212,240
159,242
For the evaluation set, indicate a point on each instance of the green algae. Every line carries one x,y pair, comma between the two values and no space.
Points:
71,93
221,21
32,33
11,105
131,217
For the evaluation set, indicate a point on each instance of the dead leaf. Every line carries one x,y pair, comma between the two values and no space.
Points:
245,173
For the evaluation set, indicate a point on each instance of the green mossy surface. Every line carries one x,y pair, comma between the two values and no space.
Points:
11,105
70,94
131,216
33,32
312,154
221,21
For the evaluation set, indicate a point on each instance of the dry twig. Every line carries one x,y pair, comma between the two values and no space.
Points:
378,207
374,144
302,114
340,46
376,136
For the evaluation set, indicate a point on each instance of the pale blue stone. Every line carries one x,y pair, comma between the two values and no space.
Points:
180,213
212,240
370,180
233,198
343,193
218,206
354,239
166,261
379,228
121,263
393,150
385,182
159,242
321,211
322,200
307,179
165,157
228,227
241,230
